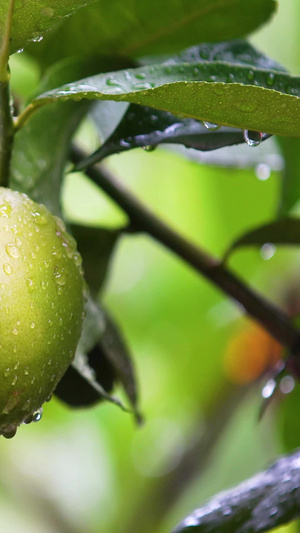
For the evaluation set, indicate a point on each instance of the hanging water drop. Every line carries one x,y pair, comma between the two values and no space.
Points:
252,138
37,415
150,148
262,171
267,251
268,389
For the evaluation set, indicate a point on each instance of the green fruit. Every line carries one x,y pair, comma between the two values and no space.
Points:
41,307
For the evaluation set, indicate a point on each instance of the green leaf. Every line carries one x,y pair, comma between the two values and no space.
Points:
284,231
99,332
222,93
96,246
261,503
42,145
146,128
151,27
290,190
237,52
113,345
32,18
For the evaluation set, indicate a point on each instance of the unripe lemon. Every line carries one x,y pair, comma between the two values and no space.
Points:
41,306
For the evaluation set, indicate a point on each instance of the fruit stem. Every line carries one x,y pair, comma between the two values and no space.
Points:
6,111
273,319
6,133
5,44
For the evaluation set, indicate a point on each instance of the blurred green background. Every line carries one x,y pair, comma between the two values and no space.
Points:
94,470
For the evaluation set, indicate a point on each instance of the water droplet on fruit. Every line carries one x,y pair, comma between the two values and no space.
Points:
252,138
30,285
15,331
211,125
12,251
39,219
14,381
32,325
7,268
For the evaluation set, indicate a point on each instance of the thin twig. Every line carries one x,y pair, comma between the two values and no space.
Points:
273,319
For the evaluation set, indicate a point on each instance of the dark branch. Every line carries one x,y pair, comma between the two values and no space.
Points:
261,503
272,318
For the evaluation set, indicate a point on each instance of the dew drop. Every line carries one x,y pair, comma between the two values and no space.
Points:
252,138
47,12
39,219
7,268
37,38
262,171
32,325
30,285
250,75
37,415
15,331
211,125
270,79
144,86
267,251
12,251
268,389
10,433
150,148
14,381
287,384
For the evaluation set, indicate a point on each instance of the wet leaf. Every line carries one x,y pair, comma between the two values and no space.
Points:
94,326
41,147
236,52
261,503
96,246
135,29
117,353
284,231
145,128
231,95
31,18
102,359
76,391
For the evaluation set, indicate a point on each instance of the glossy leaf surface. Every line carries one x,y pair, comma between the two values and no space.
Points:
135,29
31,19
146,128
232,95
